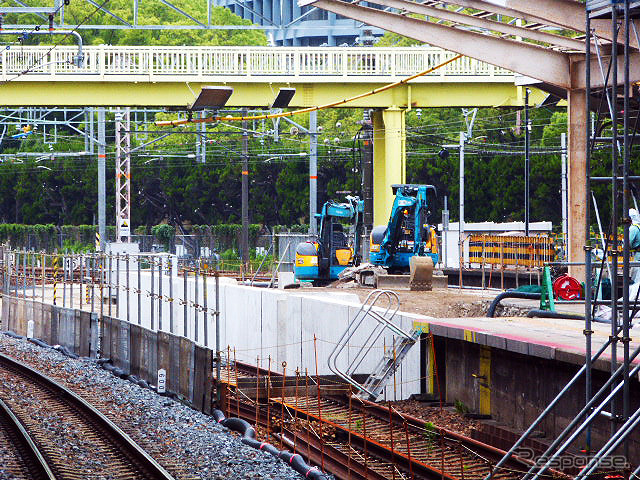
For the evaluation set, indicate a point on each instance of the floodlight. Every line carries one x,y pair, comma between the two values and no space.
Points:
283,98
211,97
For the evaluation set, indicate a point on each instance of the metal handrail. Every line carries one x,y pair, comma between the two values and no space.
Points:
384,321
159,62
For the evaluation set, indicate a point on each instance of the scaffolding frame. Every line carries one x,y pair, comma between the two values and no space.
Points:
616,108
123,176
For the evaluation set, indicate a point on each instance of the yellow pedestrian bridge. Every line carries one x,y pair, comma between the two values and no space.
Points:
172,76
158,76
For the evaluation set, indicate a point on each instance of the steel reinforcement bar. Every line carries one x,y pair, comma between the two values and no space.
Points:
354,438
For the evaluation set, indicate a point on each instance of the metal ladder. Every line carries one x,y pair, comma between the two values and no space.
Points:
380,308
388,364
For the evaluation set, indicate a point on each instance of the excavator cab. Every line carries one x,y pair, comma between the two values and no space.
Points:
408,232
334,250
341,251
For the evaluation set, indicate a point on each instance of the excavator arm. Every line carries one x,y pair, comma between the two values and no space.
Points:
410,206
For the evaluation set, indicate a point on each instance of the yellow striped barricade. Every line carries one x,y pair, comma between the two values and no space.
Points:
518,251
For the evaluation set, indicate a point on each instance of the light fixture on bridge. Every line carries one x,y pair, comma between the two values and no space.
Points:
283,98
211,97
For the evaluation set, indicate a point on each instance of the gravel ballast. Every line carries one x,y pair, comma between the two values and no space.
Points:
189,444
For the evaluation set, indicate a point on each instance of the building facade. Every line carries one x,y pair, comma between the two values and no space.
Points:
292,25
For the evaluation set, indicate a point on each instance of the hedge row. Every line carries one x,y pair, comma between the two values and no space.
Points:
82,237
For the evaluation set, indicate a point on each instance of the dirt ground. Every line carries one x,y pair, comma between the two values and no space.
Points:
440,302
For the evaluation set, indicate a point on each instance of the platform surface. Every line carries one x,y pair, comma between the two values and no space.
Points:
549,338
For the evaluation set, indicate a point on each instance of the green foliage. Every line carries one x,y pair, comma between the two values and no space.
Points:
460,407
165,234
153,13
557,126
76,247
390,39
171,188
304,228
229,254
430,428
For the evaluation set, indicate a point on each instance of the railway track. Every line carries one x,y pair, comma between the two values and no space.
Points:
22,457
49,412
354,438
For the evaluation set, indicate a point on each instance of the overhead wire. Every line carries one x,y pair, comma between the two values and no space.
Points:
55,45
309,109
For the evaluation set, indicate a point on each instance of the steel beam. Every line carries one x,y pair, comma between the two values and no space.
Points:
579,72
500,9
565,13
44,10
530,60
445,14
438,92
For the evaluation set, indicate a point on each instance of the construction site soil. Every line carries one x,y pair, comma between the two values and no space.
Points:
438,303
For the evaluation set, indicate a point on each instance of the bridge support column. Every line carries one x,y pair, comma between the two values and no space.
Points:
577,113
389,159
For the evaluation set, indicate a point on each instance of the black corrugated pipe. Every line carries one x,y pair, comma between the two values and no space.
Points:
510,294
249,438
548,314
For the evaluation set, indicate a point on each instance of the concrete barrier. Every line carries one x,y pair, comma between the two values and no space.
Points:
256,325
134,349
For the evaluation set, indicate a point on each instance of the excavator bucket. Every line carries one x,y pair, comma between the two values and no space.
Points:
421,273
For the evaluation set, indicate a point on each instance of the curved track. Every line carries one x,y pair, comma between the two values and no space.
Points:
24,459
49,411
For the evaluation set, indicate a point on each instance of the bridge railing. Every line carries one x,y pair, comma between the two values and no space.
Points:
31,63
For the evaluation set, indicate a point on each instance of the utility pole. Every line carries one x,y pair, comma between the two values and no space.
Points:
367,183
102,185
527,167
461,214
123,176
201,140
313,171
563,156
464,136
244,243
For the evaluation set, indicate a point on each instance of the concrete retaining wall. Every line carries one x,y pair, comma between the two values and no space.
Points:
136,350
520,386
258,323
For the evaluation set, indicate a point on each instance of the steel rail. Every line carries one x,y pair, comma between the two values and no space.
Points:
311,447
34,461
494,453
139,458
341,465
422,468
428,458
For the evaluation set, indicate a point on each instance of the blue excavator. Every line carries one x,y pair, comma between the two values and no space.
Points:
322,260
407,237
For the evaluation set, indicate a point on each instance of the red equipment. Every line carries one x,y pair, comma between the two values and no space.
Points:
567,288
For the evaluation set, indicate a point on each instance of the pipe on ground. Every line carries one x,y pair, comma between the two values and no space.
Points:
249,438
510,294
548,314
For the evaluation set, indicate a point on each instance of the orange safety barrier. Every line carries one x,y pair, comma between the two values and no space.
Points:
511,250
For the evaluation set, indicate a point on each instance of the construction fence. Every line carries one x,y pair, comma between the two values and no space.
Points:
511,251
